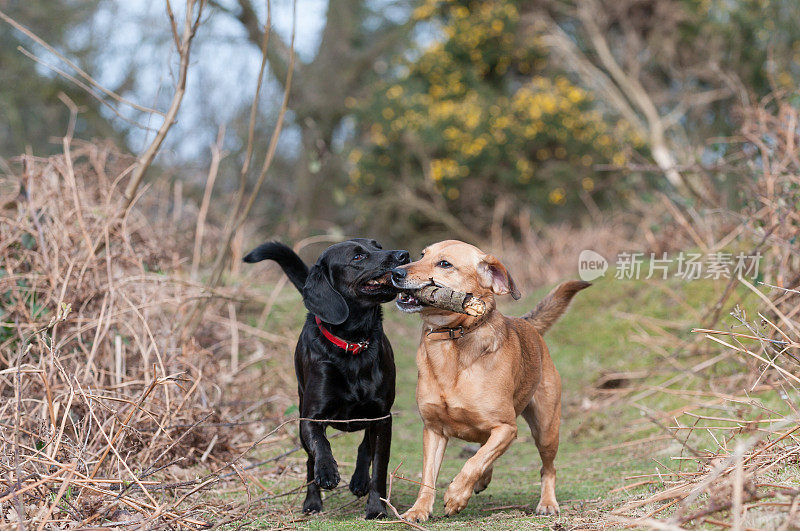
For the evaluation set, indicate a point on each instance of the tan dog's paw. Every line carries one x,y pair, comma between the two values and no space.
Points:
483,482
455,499
416,514
548,508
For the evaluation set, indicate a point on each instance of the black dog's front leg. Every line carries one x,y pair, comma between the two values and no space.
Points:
381,434
321,462
359,483
313,501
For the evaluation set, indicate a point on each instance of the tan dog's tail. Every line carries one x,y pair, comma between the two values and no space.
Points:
554,305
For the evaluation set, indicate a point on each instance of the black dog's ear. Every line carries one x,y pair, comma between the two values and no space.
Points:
321,299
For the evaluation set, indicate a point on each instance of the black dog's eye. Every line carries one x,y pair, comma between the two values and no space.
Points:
444,263
358,257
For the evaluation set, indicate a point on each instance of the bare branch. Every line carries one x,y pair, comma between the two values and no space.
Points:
240,212
624,92
561,44
89,90
629,85
173,25
251,127
189,31
216,158
75,67
279,54
695,100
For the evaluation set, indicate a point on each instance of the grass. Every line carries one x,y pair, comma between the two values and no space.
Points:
603,331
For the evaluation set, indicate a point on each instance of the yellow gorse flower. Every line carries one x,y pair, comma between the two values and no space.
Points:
453,108
557,196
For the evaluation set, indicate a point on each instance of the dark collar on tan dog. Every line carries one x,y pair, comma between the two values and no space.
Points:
454,332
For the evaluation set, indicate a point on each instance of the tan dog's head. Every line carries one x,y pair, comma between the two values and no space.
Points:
458,266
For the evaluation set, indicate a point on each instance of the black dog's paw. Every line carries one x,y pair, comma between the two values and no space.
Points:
326,474
375,510
313,504
359,483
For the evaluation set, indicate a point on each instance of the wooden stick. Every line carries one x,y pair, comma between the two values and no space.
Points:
448,299
216,158
392,508
738,488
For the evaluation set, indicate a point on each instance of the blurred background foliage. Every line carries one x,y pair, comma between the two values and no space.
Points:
31,114
484,113
429,116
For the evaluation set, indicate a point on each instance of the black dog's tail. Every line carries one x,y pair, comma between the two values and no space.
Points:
292,265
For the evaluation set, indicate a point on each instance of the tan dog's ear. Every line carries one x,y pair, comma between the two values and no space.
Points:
493,274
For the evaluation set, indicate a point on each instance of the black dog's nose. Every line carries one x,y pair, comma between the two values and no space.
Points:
402,256
399,273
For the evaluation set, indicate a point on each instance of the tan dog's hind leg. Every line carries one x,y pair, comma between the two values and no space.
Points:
460,490
543,415
433,446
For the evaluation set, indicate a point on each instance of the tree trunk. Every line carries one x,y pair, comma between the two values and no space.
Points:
318,171
342,67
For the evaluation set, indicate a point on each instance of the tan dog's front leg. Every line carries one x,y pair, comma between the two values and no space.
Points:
433,446
460,490
484,480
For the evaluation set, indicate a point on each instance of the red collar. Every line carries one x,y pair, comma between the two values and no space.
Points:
355,348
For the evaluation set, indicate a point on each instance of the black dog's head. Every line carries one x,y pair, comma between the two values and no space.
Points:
355,273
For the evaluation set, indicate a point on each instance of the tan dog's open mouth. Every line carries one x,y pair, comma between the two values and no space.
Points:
440,297
407,302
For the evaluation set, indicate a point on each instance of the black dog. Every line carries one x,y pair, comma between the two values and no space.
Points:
344,362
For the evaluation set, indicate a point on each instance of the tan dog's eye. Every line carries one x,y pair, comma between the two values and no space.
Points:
444,264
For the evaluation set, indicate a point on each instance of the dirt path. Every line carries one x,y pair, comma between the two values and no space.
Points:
593,459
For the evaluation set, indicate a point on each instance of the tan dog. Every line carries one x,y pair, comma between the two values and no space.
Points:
477,374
